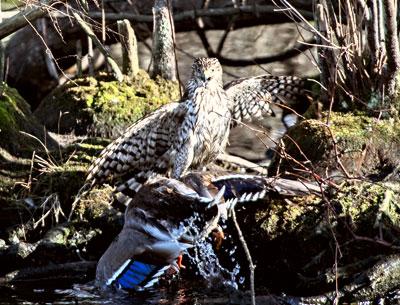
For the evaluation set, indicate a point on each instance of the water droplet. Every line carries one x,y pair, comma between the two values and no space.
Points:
209,267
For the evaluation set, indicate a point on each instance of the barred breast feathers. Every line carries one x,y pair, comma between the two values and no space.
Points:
205,130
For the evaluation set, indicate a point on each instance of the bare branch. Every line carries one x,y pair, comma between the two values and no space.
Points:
96,41
248,256
325,55
193,14
373,38
31,13
243,163
296,50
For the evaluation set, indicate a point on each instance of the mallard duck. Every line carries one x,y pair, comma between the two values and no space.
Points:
167,216
162,220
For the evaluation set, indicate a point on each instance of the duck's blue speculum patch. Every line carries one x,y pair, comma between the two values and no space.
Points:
135,275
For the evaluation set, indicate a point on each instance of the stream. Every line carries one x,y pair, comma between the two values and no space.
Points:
182,293
185,293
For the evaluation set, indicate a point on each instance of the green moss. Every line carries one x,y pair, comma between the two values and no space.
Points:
287,217
350,127
358,199
103,106
369,205
310,138
319,141
10,4
364,145
6,119
11,106
66,174
352,131
16,117
356,128
65,179
96,204
84,153
117,105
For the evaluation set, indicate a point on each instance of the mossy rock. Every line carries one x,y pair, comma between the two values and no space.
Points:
102,106
293,241
43,188
64,172
26,183
365,147
16,121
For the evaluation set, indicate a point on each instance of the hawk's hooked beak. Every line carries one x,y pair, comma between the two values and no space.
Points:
207,76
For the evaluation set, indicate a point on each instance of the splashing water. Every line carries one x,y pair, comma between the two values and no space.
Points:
210,268
208,265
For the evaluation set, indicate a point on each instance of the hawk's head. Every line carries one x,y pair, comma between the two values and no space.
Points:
206,72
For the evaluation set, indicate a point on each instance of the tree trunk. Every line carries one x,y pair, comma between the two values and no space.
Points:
163,54
392,49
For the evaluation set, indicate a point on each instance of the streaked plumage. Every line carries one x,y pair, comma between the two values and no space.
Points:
174,137
190,133
160,223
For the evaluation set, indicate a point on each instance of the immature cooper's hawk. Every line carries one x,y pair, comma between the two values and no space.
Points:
191,132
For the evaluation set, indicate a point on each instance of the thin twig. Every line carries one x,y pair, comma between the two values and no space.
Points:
49,54
248,256
34,11
171,20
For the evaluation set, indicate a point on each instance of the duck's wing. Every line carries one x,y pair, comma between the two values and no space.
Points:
141,151
157,259
251,188
252,97
137,275
140,256
246,188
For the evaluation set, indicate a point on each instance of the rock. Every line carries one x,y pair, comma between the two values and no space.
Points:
35,204
16,121
294,243
366,147
102,106
29,69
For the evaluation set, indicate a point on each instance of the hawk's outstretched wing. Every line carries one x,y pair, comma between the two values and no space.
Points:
142,150
252,97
